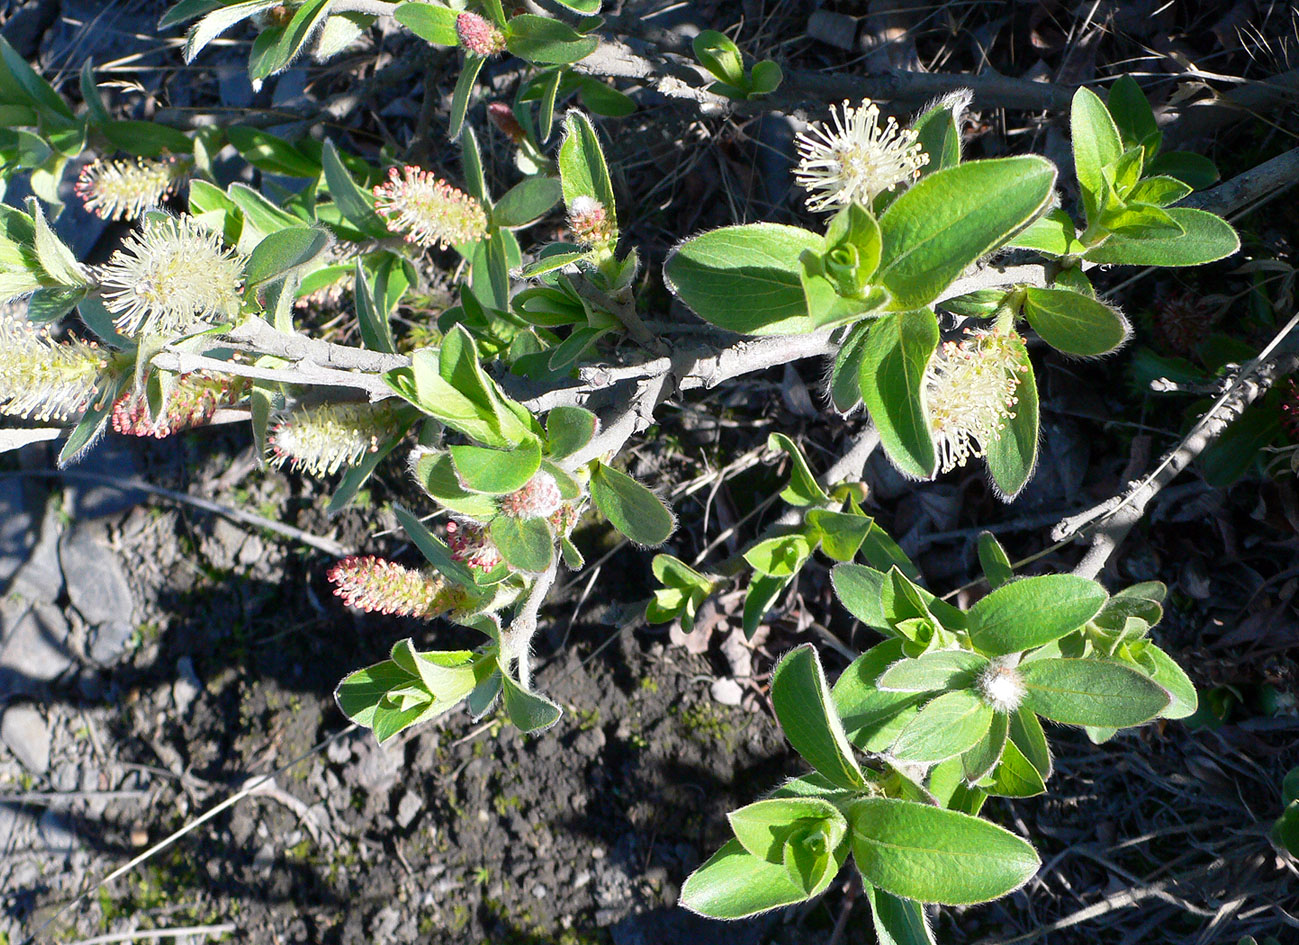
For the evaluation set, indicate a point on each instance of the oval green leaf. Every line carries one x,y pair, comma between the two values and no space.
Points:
1073,323
952,217
745,278
630,507
1033,611
893,363
805,711
1091,692
945,727
934,855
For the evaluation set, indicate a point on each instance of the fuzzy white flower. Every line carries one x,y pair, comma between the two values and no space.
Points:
1001,686
42,378
171,277
969,391
124,190
855,160
322,439
428,210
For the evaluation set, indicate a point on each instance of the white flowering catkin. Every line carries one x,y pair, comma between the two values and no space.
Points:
171,277
857,159
43,379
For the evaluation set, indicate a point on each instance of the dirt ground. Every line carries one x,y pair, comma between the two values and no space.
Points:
157,660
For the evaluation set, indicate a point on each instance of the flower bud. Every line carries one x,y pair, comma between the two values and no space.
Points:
471,545
191,403
539,498
479,36
1001,685
590,222
502,116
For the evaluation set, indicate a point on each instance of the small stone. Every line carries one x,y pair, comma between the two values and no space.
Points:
33,648
339,751
97,584
408,809
539,891
833,29
139,836
727,692
40,578
187,686
57,832
25,733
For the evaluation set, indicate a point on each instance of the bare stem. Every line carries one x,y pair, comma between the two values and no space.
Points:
516,639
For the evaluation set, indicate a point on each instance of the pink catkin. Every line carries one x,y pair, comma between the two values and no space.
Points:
376,585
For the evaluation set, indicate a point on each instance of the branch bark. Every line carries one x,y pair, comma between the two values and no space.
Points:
1111,521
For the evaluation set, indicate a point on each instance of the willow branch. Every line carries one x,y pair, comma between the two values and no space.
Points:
1110,522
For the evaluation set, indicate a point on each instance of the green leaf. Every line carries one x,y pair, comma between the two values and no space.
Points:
803,489
720,56
845,374
762,593
186,10
871,717
1012,457
630,507
360,693
1027,735
1053,233
745,279
598,97
860,590
283,252
539,39
765,78
433,549
945,727
587,7
1165,672
460,97
978,762
994,561
54,257
376,332
220,20
528,711
1160,191
939,137
779,557
1091,692
21,77
525,543
1015,776
146,138
841,534
763,827
1131,111
496,472
1074,323
937,669
1206,238
934,855
1096,144
1194,170
308,17
430,22
803,706
1032,612
582,169
734,883
897,921
355,204
568,429
894,360
952,217
526,202
259,213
